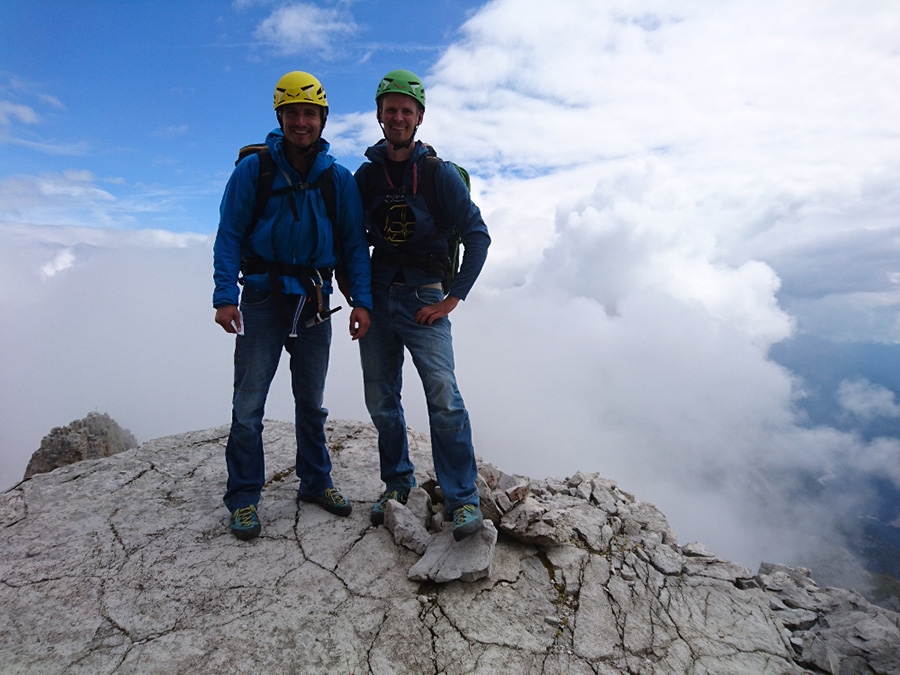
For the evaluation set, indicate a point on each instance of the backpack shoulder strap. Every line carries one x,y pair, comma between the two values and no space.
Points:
369,182
329,194
264,180
429,192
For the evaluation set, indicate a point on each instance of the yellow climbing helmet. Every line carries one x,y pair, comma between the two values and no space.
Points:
300,87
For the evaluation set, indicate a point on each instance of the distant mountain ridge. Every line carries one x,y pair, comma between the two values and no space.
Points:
125,565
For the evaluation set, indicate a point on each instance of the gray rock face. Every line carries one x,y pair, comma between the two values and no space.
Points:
126,565
95,436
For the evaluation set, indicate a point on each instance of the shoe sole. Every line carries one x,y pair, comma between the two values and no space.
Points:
246,535
328,506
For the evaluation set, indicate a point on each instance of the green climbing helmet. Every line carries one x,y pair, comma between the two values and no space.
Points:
402,82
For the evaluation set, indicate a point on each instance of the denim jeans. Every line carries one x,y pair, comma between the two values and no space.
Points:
431,347
256,356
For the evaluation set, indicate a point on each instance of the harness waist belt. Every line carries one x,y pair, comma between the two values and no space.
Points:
256,265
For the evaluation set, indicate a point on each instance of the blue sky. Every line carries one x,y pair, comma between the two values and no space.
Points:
153,98
676,191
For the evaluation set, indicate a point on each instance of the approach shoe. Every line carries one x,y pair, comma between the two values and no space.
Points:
331,500
380,507
245,523
467,519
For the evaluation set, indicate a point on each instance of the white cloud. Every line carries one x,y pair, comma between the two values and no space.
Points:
62,261
172,131
50,100
75,198
867,400
761,133
304,29
70,198
22,113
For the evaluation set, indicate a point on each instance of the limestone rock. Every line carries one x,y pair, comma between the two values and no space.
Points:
448,560
834,630
95,436
407,528
419,503
126,565
443,559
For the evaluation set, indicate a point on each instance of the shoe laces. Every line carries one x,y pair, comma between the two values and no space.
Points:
245,516
397,495
335,497
463,514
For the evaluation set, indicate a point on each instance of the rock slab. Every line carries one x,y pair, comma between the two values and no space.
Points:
125,565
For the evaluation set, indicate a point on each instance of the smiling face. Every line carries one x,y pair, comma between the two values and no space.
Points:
301,124
399,116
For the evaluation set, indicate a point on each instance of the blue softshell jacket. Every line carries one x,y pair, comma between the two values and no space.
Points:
452,194
308,242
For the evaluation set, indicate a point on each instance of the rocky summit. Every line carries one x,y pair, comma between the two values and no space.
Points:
126,565
95,436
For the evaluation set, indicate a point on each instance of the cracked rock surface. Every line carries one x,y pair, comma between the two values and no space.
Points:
126,565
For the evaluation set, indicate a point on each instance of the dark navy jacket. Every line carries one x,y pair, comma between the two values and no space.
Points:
452,195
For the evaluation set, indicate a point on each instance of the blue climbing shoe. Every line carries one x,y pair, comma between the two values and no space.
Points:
331,500
245,523
380,507
467,519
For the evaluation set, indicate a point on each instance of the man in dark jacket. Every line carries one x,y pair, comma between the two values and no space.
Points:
285,257
410,261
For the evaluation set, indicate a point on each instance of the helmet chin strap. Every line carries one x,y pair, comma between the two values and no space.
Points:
395,146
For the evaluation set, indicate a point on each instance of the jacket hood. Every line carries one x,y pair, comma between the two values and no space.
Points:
275,141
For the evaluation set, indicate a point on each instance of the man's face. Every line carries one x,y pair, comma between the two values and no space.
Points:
301,123
399,114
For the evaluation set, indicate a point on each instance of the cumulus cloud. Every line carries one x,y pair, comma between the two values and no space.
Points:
768,144
672,190
867,400
304,29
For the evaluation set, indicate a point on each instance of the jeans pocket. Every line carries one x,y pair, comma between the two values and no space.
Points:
429,296
253,297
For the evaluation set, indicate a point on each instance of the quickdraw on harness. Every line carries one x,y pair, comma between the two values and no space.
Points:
321,315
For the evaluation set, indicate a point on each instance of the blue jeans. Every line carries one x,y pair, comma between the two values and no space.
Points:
256,355
393,328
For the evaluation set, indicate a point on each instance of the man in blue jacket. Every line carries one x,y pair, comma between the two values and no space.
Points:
410,261
285,257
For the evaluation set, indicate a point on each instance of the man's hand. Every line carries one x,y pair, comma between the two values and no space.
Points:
359,322
428,315
225,315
